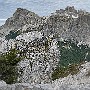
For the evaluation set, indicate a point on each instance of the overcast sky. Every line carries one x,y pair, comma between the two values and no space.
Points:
41,7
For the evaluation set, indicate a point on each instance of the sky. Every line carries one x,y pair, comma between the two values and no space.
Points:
40,7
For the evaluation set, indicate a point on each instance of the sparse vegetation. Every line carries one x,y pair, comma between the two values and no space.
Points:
71,57
8,63
61,72
12,35
71,53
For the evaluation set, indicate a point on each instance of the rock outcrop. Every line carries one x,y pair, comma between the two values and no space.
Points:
36,38
81,81
20,18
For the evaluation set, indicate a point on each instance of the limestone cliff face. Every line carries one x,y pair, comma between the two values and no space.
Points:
36,39
68,24
20,18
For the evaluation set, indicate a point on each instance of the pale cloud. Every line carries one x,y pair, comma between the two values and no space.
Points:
15,1
41,7
3,19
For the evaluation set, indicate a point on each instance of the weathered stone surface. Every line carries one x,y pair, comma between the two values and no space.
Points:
75,82
37,40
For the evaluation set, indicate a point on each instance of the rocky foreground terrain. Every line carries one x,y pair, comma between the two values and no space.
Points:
81,81
45,53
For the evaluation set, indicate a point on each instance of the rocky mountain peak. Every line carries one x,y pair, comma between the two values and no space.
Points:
20,18
21,11
70,8
46,49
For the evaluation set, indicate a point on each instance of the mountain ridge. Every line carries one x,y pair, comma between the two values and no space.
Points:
45,50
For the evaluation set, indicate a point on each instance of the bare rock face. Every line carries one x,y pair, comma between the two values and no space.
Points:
37,43
67,24
20,18
39,66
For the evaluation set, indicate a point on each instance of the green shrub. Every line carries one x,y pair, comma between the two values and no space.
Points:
61,72
8,63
